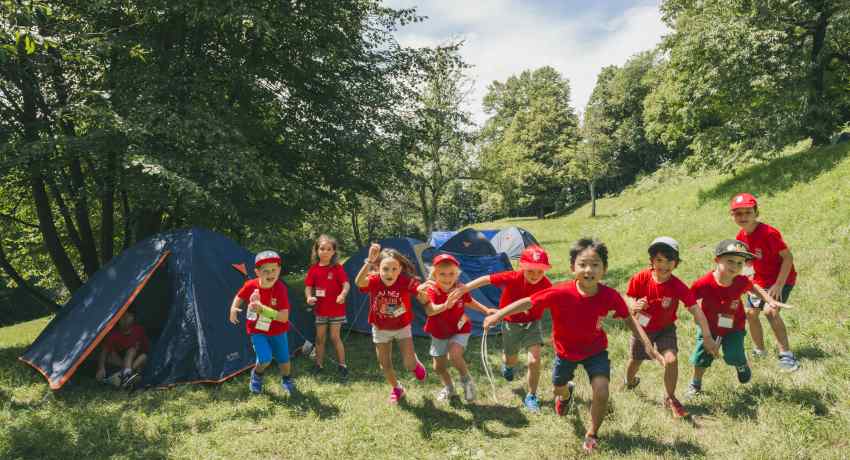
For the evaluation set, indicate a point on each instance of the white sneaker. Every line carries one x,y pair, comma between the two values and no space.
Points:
468,389
446,393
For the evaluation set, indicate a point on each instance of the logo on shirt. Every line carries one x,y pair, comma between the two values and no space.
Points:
330,276
733,305
274,302
758,253
667,302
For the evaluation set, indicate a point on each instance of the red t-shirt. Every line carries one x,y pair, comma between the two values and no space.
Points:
118,341
766,242
444,324
515,287
327,282
663,298
274,297
577,320
722,301
390,307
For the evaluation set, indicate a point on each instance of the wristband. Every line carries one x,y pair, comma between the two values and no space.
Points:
267,312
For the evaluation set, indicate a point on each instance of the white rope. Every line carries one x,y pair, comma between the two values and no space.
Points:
486,364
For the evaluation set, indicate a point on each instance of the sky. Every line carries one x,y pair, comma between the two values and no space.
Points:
504,37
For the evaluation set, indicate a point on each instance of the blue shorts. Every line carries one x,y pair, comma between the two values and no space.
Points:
268,346
564,369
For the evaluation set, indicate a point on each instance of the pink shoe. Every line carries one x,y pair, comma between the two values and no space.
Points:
419,371
396,395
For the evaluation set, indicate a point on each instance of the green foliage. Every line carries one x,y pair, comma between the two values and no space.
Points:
527,140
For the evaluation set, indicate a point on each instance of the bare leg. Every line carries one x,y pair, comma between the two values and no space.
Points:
599,404
671,372
337,341
754,323
139,362
441,367
533,368
284,369
321,334
408,354
632,369
385,359
779,331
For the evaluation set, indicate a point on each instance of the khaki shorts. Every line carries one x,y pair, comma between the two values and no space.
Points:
388,335
516,336
664,340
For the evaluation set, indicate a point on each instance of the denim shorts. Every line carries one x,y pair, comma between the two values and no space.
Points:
564,369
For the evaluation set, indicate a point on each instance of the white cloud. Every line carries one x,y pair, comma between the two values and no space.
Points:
505,37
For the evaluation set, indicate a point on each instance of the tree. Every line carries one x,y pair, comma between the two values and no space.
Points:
527,138
745,78
594,157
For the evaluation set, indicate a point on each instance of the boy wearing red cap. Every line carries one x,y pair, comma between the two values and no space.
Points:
448,325
654,295
267,319
521,330
578,308
774,272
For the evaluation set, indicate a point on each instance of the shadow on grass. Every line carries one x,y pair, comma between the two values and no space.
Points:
768,178
747,399
810,352
625,443
433,418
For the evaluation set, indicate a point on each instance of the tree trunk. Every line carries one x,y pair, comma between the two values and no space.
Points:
816,120
126,217
148,223
426,215
73,235
107,210
592,199
81,211
12,273
355,226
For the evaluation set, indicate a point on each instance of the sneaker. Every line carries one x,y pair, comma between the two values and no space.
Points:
633,385
114,379
316,369
693,390
562,406
508,373
788,363
675,407
744,373
468,389
419,371
129,381
256,384
590,443
343,372
532,403
757,353
288,385
396,395
447,393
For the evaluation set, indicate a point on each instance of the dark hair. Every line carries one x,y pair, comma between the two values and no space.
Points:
586,243
666,251
406,266
314,253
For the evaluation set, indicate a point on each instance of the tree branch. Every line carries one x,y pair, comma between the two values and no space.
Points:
12,273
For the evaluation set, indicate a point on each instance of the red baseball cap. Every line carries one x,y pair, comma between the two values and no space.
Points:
534,258
266,257
445,258
743,200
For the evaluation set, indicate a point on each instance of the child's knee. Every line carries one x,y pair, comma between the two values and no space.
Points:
670,359
753,313
773,315
600,388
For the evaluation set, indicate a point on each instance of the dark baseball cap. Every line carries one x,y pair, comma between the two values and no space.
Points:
734,247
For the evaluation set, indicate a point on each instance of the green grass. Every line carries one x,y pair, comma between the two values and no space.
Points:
801,415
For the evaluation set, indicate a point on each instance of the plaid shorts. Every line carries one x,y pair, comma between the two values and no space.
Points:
330,320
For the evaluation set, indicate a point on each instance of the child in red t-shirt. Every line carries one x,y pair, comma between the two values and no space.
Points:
774,272
326,287
126,346
719,294
578,308
267,320
449,326
654,295
522,330
391,311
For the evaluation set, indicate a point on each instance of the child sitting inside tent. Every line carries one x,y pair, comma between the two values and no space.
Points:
126,347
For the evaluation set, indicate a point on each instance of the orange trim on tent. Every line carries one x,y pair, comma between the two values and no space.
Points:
105,330
227,377
241,268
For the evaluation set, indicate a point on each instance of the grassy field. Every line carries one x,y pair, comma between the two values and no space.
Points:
801,415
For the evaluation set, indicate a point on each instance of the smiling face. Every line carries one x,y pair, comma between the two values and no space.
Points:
389,270
268,274
588,269
746,218
325,251
662,266
446,275
730,265
533,276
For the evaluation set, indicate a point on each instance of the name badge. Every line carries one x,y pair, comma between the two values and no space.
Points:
756,301
263,324
320,292
724,321
461,322
394,310
643,319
